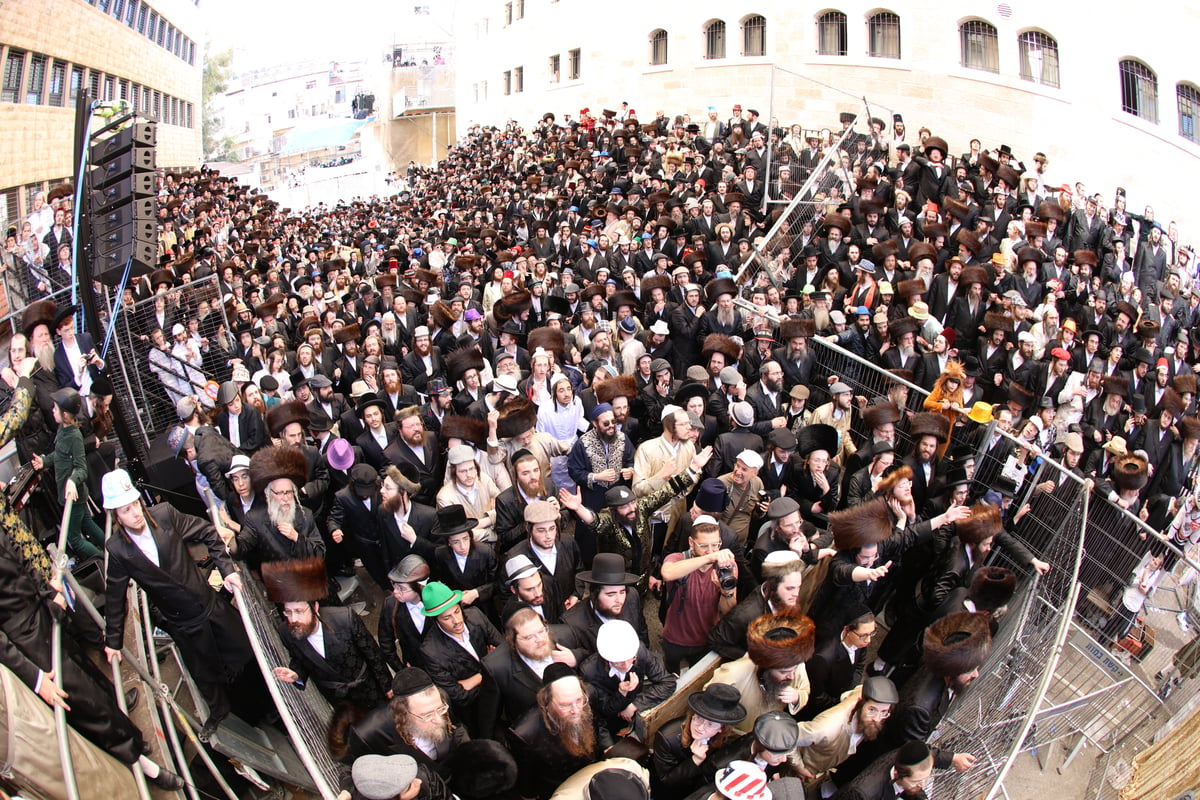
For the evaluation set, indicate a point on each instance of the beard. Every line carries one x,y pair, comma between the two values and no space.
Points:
725,317
391,504
871,728
302,630
45,357
821,318
609,438
391,384
260,404
437,732
391,336
577,736
540,652
279,514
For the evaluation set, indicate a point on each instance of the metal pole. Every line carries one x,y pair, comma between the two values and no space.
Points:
770,115
61,728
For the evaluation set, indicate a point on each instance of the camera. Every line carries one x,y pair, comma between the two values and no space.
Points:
726,579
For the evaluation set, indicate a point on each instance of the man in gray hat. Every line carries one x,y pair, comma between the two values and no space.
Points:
770,744
835,734
402,623
240,424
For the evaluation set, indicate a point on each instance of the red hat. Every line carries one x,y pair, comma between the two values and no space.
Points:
1058,352
1162,364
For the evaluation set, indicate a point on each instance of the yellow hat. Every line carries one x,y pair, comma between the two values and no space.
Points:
981,412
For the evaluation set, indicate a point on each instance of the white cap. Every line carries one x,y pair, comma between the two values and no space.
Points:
506,382
177,329
781,557
750,459
616,640
704,519
117,490
661,328
668,410
420,330
240,462
518,568
1024,336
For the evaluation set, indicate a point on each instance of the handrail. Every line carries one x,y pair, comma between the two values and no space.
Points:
60,712
1051,667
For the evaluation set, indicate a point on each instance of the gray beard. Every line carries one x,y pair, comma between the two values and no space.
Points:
279,515
724,317
45,357
821,318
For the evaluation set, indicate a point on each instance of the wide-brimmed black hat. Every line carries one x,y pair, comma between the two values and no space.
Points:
366,401
453,519
690,389
608,569
719,702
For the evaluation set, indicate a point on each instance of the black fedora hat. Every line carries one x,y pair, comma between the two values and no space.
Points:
690,389
719,702
366,401
453,519
608,569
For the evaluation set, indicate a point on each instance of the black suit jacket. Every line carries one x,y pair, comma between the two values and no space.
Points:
352,669
372,453
447,662
830,674
251,427
429,472
421,518
397,630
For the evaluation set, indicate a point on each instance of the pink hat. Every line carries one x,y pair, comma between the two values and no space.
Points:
340,454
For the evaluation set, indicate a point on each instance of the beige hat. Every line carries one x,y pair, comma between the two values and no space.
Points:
460,454
919,311
1116,446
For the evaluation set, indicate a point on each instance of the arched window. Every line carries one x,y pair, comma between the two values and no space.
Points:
979,48
883,35
1139,90
754,35
1039,58
831,33
1188,97
658,47
714,39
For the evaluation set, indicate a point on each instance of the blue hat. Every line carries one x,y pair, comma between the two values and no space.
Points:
600,409
865,266
710,497
628,325
176,439
574,208
593,243
862,311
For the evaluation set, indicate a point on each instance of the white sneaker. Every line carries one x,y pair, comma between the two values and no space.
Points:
1182,619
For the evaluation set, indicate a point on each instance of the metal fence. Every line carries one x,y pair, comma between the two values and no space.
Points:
1053,674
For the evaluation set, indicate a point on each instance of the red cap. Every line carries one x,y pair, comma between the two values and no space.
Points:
1058,352
1162,364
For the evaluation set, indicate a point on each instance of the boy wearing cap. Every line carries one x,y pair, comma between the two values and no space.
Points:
624,678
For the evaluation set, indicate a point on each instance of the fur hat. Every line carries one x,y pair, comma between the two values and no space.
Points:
718,287
1171,401
513,305
994,320
897,473
550,339
347,333
38,313
868,523
431,277
791,328
911,288
1189,427
880,414
992,587
919,250
957,644
443,315
468,429
386,279
298,580
838,221
284,414
972,274
619,386
652,282
460,361
623,298
1115,384
516,417
983,523
1034,230
937,143
1184,383
719,343
1049,210
900,326
1130,472
271,463
780,641
926,423
970,241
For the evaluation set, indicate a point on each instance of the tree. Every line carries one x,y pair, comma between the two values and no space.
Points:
218,67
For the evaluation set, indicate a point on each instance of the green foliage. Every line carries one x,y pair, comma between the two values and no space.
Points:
218,67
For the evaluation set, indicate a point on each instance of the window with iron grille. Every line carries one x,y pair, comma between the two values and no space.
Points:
118,8
162,31
883,35
14,69
9,205
754,36
94,83
189,116
714,39
519,80
143,13
1039,58
170,37
555,68
156,112
76,82
1139,90
103,5
152,26
574,63
658,47
507,82
36,90
1188,98
30,190
123,89
979,45
58,83
131,13
110,87
831,34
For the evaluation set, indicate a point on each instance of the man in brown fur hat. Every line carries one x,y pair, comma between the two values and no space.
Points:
283,529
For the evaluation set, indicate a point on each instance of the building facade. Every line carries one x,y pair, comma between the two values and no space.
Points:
147,52
1110,104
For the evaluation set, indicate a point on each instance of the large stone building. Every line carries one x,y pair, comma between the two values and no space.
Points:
149,52
1111,103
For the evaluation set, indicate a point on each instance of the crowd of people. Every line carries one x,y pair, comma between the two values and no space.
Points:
564,380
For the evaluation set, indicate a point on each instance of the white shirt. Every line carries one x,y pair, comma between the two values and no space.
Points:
549,558
461,561
145,542
417,612
235,433
538,667
380,438
465,642
317,640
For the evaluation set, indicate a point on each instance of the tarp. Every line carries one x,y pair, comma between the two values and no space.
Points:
320,134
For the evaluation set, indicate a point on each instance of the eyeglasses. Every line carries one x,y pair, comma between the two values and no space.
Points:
283,493
532,637
430,716
877,713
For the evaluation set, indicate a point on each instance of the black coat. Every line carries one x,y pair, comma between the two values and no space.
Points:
873,783
568,564
582,619
830,674
363,531
543,763
674,775
251,426
397,630
259,540
372,453
376,734
478,573
352,669
447,662
421,518
655,685
728,637
429,470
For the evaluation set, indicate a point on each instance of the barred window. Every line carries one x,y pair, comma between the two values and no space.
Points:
831,34
14,69
754,36
507,82
555,68
883,35
76,82
714,39
1139,90
1188,97
36,91
658,47
980,49
574,63
58,83
9,209
519,79
1039,58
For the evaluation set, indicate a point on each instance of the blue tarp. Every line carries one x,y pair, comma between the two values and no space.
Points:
322,133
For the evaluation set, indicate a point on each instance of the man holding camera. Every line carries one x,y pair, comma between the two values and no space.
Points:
701,587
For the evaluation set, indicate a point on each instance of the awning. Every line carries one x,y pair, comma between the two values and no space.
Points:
321,134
